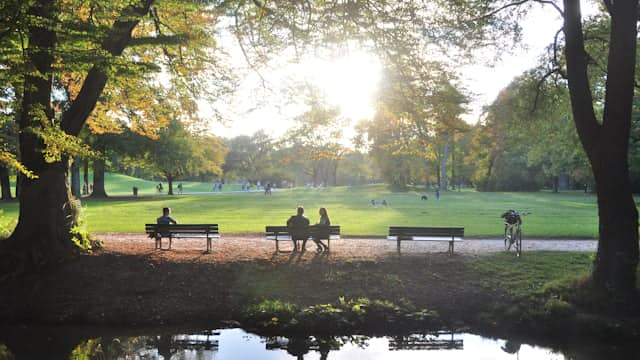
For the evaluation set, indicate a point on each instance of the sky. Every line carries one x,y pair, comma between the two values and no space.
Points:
351,81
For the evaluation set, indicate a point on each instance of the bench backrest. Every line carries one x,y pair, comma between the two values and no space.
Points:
313,230
409,231
182,228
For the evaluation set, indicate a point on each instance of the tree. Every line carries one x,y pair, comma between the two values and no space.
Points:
47,135
605,138
177,153
249,157
316,139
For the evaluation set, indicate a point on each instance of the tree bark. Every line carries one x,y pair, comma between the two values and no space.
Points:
607,144
443,178
170,184
85,176
46,214
98,178
5,184
75,178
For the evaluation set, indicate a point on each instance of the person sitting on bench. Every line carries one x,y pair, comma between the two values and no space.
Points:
298,228
165,219
323,224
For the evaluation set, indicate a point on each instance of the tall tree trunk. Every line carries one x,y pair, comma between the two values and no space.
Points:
75,178
170,183
443,178
607,144
426,175
46,213
5,184
98,178
85,176
453,160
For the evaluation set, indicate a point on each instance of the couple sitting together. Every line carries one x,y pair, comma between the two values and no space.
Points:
299,229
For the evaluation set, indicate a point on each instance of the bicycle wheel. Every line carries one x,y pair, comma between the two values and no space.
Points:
518,241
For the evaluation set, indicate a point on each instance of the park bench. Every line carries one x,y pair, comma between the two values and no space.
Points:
173,231
448,234
281,233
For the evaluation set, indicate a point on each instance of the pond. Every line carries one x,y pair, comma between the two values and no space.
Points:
235,343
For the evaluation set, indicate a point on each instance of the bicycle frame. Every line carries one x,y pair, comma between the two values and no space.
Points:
513,236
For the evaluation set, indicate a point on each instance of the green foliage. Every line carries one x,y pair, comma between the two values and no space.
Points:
527,138
58,143
250,157
6,225
343,317
81,238
5,353
83,241
271,312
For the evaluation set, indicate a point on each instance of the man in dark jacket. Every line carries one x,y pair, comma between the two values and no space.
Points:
298,228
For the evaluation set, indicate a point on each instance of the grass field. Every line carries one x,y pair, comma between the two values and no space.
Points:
562,215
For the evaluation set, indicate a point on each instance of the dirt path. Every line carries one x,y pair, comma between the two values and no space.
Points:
129,282
250,247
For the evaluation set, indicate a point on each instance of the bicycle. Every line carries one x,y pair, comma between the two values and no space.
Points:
513,230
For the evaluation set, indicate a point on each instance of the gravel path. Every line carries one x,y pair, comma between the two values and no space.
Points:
252,246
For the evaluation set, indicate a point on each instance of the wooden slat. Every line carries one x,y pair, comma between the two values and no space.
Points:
182,228
272,231
281,233
404,231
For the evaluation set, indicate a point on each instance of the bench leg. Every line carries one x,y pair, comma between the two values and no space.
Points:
209,245
398,245
277,248
451,247
170,241
158,242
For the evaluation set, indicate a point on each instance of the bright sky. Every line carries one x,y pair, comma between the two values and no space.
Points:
350,82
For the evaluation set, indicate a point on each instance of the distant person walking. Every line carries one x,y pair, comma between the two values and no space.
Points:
298,228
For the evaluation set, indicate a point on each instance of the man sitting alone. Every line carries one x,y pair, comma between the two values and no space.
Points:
165,219
298,228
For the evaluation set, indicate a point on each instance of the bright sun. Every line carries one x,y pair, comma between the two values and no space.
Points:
349,82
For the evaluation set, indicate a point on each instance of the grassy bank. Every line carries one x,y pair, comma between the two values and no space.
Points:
530,297
562,215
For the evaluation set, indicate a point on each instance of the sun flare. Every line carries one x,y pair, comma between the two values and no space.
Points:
349,82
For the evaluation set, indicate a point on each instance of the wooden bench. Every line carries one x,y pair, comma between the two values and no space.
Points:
173,231
281,233
449,234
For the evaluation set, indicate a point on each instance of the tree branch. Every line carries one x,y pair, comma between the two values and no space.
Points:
539,87
118,39
579,88
552,3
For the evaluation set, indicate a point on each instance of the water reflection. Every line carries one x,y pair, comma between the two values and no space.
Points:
238,344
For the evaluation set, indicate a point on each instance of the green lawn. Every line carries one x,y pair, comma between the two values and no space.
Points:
568,214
